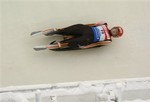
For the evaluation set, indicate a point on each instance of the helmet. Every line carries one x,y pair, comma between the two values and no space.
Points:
120,31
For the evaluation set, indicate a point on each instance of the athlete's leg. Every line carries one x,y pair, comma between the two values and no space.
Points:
45,32
71,30
75,30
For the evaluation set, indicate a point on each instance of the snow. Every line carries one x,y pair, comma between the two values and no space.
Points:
105,90
12,97
138,100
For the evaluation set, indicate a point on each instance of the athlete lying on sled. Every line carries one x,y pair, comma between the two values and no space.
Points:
81,36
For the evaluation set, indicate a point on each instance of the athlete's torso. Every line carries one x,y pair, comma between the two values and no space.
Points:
101,33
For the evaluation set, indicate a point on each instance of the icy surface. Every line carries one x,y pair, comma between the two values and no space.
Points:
124,58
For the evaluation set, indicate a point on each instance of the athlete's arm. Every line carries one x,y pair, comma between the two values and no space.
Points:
96,44
57,45
97,24
91,25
